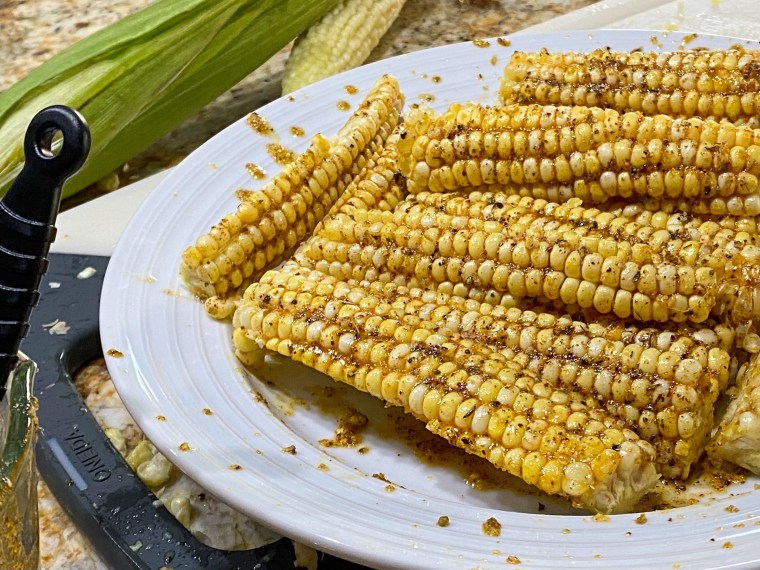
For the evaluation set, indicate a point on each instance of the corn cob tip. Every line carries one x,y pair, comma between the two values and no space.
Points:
635,476
737,439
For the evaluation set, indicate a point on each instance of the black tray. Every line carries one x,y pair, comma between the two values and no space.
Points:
121,517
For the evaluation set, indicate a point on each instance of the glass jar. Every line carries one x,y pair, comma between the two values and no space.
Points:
19,525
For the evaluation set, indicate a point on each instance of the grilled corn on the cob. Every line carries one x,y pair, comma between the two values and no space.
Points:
477,399
529,248
662,382
719,84
563,291
270,222
559,152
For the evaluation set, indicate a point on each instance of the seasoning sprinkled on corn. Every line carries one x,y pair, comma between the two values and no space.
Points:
564,290
476,398
269,223
718,84
560,152
526,248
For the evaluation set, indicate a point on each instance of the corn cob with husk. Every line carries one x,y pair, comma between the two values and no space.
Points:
269,223
341,40
475,397
516,246
717,84
738,437
591,153
138,78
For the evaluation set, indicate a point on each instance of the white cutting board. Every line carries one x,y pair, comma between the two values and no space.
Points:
94,227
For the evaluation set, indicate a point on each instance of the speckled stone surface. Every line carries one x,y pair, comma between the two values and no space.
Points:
33,31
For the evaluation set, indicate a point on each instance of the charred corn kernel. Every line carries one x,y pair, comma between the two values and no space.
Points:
719,84
601,161
341,40
237,250
638,272
738,437
445,376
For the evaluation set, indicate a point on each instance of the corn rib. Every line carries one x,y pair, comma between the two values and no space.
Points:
534,249
559,152
718,85
477,399
661,381
378,186
341,40
270,222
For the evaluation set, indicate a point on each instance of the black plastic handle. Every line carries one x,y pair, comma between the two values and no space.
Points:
36,193
27,214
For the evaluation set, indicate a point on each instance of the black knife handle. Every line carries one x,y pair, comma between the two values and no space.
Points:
35,195
27,214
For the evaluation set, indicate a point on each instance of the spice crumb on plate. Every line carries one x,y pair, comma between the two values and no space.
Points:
259,124
351,422
280,154
492,527
256,171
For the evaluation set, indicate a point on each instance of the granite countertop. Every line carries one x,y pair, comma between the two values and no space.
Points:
31,32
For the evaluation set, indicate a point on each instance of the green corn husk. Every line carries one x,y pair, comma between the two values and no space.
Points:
135,80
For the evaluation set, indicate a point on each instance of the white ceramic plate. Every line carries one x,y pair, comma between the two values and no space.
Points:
179,379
